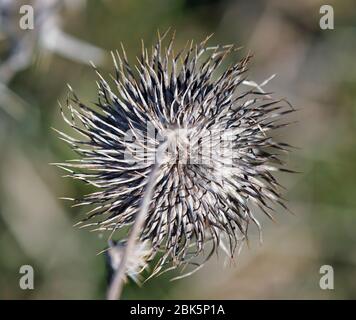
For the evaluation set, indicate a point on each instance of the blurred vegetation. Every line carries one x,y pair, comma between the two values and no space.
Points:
315,69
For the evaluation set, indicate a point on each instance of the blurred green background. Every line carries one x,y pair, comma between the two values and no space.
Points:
315,70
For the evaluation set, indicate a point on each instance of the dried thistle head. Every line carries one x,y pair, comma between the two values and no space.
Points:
219,156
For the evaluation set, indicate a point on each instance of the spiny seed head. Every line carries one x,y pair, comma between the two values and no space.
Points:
216,168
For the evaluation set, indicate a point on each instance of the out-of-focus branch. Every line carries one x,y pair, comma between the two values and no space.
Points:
47,36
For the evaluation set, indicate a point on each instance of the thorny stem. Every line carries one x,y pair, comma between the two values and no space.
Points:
115,289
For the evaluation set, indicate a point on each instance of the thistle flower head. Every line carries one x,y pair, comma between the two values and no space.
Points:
218,158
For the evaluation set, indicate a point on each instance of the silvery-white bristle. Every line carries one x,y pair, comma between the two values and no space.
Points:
217,167
137,260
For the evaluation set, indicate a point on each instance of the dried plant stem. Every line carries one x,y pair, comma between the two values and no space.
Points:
115,289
